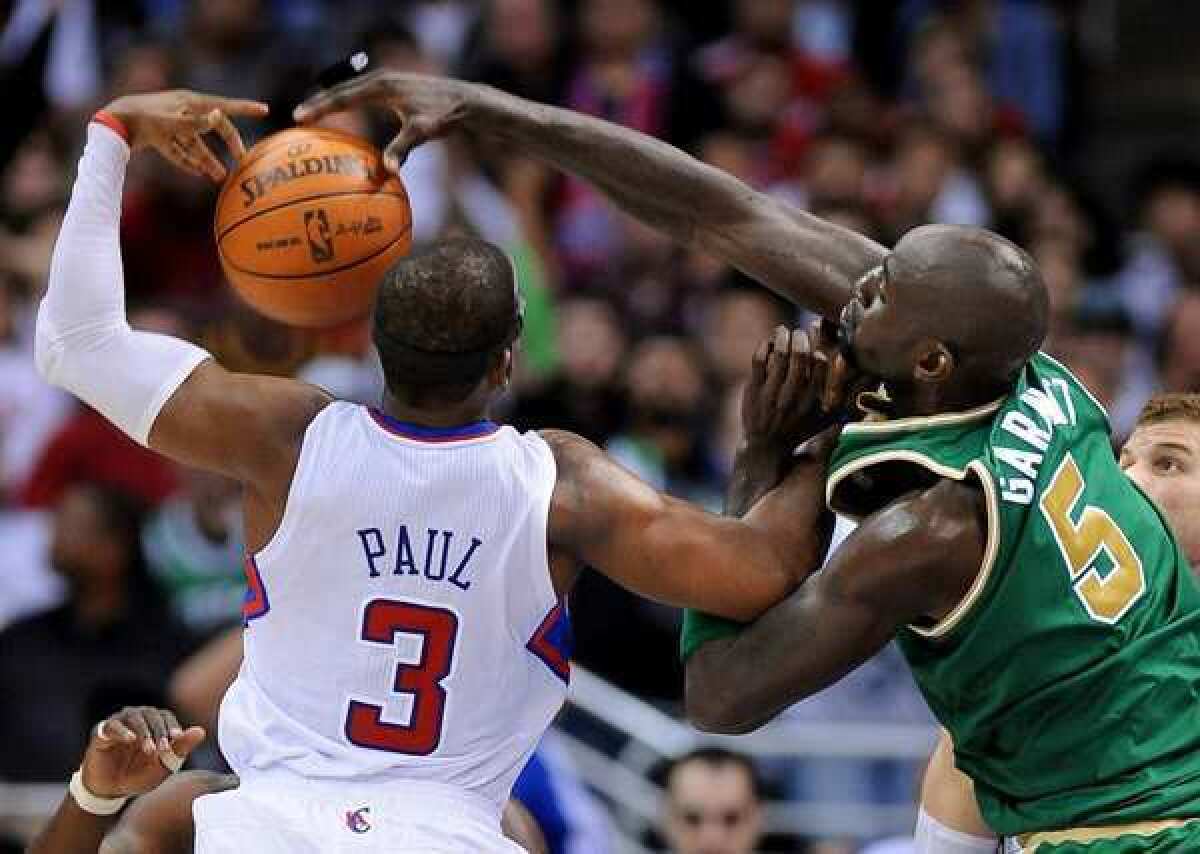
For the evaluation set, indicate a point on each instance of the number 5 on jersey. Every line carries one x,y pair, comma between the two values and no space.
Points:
1107,598
437,629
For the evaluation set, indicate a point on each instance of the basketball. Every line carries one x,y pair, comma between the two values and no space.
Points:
308,224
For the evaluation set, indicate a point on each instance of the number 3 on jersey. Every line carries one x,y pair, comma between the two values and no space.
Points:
1107,598
437,628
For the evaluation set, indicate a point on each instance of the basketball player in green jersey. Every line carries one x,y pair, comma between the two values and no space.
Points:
1162,456
1045,609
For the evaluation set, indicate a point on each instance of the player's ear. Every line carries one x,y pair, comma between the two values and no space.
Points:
934,362
502,369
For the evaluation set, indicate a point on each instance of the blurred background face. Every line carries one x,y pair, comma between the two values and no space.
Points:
666,391
1164,460
522,32
84,549
764,22
616,28
1181,353
739,322
591,343
1173,216
712,809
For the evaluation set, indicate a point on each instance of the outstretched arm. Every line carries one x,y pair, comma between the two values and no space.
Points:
670,550
161,391
916,558
810,261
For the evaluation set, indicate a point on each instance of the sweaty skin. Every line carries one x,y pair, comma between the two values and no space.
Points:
250,428
886,303
1163,458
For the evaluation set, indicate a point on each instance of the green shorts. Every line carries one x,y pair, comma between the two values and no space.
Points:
1172,840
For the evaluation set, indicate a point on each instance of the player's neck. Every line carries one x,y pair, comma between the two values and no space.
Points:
449,415
918,400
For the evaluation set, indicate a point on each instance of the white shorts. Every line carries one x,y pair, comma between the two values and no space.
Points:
324,817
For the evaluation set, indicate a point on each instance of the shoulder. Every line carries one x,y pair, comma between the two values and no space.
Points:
920,552
567,445
933,519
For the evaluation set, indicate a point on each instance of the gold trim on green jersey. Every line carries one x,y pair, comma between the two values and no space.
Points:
992,548
1030,842
920,422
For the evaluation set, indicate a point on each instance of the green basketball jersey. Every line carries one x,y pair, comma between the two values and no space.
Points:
1069,676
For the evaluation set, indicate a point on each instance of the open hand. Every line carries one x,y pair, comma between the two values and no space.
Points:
124,756
428,107
173,124
796,387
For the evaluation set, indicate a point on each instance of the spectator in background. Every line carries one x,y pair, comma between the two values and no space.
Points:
625,73
1099,346
713,803
87,449
194,549
1014,178
519,47
665,439
737,319
1180,353
667,444
928,183
111,643
1168,201
30,410
585,395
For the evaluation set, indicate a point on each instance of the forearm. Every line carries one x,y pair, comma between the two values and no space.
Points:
84,343
72,830
804,258
756,471
787,505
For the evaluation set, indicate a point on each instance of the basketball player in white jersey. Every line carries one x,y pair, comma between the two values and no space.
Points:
406,638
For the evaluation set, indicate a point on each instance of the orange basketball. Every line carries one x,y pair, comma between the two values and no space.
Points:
309,223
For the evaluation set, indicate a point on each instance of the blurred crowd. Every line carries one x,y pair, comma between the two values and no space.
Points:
115,565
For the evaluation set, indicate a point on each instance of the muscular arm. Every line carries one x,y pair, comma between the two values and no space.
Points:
159,390
160,822
803,258
672,551
915,558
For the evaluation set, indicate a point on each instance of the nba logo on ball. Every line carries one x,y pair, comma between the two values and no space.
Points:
308,224
320,240
356,820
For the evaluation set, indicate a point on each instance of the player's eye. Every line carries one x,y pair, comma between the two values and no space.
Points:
1167,465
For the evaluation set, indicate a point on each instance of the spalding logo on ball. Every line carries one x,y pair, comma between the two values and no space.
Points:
309,223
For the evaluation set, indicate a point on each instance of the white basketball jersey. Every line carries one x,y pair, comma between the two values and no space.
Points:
401,625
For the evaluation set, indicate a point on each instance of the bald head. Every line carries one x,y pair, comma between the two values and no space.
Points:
984,294
950,305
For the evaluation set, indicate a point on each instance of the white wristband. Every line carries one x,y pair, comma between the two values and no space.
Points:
88,802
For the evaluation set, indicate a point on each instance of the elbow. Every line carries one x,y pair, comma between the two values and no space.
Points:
714,701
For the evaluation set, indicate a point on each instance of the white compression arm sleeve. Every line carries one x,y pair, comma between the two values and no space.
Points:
933,837
84,343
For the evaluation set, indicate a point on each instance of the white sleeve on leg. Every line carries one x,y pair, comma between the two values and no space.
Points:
84,343
933,837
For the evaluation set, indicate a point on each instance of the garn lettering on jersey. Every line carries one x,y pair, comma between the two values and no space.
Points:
1049,409
438,548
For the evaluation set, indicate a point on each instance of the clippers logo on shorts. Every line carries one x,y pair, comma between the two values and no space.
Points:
320,235
357,822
